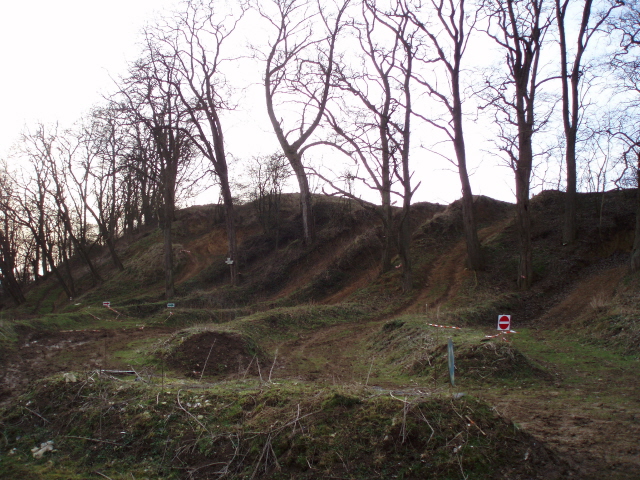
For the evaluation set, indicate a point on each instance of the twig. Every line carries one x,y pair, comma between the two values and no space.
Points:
368,374
189,413
476,425
405,408
296,421
273,365
247,370
207,360
97,440
103,475
259,372
37,414
162,372
121,372
432,430
136,373
465,477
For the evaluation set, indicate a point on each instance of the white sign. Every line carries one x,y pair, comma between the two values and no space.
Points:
106,304
504,322
171,305
228,261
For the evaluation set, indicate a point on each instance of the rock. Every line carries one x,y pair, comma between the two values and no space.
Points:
45,447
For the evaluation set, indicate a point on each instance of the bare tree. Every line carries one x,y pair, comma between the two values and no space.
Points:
8,240
267,176
572,77
626,65
519,28
151,98
448,27
298,70
372,124
100,146
50,153
34,211
74,214
194,46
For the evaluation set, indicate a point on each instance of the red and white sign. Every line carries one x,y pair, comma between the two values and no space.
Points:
106,304
504,322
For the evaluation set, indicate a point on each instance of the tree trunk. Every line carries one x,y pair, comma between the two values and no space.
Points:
474,252
569,229
306,206
470,229
114,255
7,264
167,221
404,246
475,259
523,216
230,221
69,288
84,255
635,254
169,289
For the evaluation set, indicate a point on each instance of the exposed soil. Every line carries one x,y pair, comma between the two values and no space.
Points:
213,353
40,354
575,409
592,434
578,418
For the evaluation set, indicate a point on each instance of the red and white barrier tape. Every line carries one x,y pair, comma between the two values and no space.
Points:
501,333
443,326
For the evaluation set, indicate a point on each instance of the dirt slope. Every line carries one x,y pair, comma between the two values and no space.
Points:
589,412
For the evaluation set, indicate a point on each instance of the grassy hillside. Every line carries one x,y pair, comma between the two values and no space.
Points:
318,366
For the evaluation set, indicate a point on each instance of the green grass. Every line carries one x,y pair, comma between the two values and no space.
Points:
307,432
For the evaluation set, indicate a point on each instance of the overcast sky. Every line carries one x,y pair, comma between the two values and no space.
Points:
59,58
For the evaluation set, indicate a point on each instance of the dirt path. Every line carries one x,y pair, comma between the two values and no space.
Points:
590,413
591,416
41,354
450,271
333,355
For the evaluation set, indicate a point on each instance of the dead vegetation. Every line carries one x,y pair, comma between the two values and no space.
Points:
317,366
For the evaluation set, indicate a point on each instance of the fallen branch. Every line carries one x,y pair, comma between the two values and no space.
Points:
120,372
476,425
96,440
273,365
190,414
36,414
207,360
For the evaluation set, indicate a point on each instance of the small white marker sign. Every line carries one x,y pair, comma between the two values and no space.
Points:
106,304
171,305
228,261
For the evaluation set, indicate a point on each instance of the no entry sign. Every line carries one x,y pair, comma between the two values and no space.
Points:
504,322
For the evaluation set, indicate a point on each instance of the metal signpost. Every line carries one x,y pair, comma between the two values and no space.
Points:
450,359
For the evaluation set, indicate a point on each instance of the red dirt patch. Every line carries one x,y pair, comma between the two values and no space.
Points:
589,295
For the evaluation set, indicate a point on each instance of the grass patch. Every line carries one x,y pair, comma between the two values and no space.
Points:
286,430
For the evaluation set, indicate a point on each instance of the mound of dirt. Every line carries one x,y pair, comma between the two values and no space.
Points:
212,354
496,359
449,220
488,360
